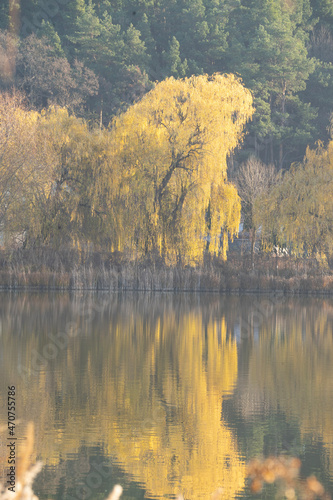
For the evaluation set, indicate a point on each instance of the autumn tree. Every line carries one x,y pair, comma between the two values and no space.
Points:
156,182
25,163
49,167
71,213
254,179
48,79
170,151
298,212
39,68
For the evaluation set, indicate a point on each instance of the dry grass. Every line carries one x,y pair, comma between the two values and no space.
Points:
285,472
25,471
46,268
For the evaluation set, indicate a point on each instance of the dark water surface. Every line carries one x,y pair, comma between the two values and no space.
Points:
167,393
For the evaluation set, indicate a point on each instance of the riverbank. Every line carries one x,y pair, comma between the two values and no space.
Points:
46,269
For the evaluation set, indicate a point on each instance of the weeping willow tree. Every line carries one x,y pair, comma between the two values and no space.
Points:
71,213
50,163
26,165
170,152
298,211
155,182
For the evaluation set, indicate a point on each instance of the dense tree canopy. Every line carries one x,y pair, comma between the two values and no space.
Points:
298,213
97,59
281,49
268,48
155,182
171,150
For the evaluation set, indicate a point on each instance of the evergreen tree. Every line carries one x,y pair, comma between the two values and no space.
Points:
48,32
319,89
118,58
323,9
268,50
4,15
173,64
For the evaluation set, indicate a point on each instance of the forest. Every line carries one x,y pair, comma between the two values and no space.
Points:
151,129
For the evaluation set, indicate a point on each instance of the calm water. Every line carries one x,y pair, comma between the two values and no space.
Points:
167,393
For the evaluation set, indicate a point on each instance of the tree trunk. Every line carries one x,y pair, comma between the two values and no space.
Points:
283,122
101,116
280,156
271,147
253,240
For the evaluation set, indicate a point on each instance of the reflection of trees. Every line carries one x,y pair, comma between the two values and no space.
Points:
144,378
292,366
179,440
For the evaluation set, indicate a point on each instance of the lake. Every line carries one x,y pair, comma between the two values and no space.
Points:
167,393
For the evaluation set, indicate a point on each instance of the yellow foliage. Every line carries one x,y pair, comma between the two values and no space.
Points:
156,181
165,371
171,151
25,164
299,210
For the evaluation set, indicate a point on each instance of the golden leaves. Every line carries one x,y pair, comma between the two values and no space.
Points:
299,210
25,164
175,142
144,185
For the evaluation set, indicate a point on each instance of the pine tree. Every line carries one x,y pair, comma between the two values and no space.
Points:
48,32
173,64
268,50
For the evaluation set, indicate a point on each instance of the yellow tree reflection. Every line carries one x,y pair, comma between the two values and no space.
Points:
145,381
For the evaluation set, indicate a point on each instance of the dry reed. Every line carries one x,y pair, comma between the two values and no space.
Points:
285,472
25,471
45,268
115,493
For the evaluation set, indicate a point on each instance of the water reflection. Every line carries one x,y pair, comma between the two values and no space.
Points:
175,392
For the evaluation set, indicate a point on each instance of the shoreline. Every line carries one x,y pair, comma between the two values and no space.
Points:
45,269
245,284
41,289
